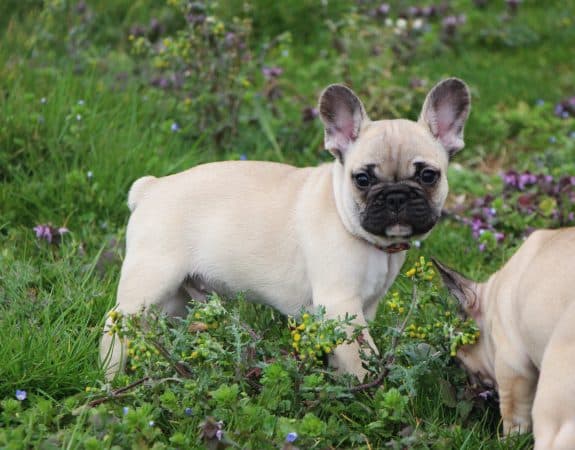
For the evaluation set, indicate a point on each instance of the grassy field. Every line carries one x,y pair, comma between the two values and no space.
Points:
94,94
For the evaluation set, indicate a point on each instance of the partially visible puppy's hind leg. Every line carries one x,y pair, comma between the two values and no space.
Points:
554,406
152,281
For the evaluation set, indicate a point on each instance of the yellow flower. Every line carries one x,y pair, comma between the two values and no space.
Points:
296,337
410,273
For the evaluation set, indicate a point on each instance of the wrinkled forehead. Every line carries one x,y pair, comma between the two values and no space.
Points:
395,146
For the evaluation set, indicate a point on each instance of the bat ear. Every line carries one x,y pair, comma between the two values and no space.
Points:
445,112
343,115
463,289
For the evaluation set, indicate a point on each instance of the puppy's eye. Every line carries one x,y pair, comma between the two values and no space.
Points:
428,177
361,180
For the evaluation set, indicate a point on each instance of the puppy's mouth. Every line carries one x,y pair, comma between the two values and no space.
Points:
396,248
398,232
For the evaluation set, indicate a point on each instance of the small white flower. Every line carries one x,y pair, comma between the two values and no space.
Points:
78,117
401,24
81,102
418,24
388,22
43,100
90,174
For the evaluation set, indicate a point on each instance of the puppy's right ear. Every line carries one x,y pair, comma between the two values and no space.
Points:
445,112
342,114
463,289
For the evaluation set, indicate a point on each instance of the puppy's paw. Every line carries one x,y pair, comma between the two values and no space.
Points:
346,360
516,425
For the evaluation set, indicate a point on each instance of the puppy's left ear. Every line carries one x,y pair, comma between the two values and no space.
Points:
461,288
342,114
445,112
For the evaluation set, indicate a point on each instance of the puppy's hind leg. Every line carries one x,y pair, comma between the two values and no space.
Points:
554,406
146,280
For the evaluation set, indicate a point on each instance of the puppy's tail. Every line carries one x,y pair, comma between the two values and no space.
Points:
138,190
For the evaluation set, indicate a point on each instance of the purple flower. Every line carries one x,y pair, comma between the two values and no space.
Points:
188,411
196,19
291,437
175,127
510,178
272,72
383,9
125,410
309,113
43,231
243,157
21,395
485,394
481,247
476,226
81,7
50,233
450,24
151,423
219,434
428,11
230,39
525,179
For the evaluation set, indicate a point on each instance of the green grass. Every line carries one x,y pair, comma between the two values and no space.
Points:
80,121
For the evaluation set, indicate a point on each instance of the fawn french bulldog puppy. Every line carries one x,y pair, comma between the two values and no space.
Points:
526,316
293,238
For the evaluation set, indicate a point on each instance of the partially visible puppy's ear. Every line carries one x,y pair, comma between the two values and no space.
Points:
463,289
445,112
342,114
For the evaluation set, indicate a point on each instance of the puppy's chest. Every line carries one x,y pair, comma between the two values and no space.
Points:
380,271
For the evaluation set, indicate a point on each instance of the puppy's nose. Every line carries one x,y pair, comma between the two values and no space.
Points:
395,201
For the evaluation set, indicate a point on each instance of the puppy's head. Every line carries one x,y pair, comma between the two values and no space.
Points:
391,174
477,358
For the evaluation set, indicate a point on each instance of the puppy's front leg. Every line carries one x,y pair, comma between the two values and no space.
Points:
516,394
346,358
